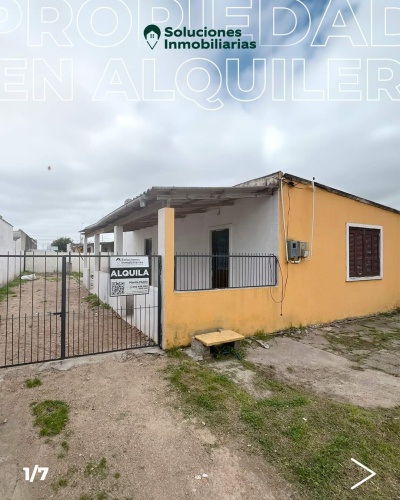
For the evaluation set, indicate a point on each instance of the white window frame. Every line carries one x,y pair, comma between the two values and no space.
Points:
364,278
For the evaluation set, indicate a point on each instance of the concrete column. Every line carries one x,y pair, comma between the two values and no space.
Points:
118,240
85,251
86,264
96,251
166,248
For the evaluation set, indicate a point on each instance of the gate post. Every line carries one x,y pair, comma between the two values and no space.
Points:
166,243
63,303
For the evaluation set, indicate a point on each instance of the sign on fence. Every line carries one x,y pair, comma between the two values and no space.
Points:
129,275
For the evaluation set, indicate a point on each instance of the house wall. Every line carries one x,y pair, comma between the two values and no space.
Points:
252,222
314,291
134,240
9,266
317,291
245,310
254,228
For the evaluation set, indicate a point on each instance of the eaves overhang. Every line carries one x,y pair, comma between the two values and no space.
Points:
142,211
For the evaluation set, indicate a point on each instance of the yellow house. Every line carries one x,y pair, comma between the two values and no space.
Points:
268,254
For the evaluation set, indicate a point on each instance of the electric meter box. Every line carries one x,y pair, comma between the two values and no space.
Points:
293,248
297,249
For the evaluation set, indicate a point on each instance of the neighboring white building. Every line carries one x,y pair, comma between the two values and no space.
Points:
9,266
27,243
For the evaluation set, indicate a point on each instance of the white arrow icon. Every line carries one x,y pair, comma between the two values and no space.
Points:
366,479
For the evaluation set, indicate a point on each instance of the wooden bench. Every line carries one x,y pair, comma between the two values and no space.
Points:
201,344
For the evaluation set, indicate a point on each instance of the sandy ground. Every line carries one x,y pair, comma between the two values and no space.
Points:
328,374
30,332
120,409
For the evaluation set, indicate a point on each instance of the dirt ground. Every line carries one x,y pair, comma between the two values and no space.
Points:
356,361
121,410
31,332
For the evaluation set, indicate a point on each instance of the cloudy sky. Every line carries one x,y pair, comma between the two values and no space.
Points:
310,105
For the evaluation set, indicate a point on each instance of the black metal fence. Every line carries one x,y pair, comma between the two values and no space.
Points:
207,272
56,306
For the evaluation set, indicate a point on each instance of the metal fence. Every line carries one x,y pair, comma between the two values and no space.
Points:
55,307
208,272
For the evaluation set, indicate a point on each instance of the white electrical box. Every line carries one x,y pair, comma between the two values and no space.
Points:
304,249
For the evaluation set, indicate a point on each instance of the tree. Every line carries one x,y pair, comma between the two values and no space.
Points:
61,243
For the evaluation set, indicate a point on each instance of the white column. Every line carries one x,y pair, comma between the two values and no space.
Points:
86,264
118,240
85,251
96,251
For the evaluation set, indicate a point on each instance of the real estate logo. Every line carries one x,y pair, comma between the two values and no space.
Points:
152,34
193,39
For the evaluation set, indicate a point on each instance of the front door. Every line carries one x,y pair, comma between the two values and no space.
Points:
220,264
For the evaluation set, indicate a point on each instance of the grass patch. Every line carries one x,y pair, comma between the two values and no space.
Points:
63,481
7,289
309,439
99,469
369,339
101,495
261,335
93,300
50,416
65,446
175,352
76,276
33,382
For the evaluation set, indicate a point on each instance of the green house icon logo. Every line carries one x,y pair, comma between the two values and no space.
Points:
152,34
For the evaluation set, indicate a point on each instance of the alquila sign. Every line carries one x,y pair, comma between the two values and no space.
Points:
129,275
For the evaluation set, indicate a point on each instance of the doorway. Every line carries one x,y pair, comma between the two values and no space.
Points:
219,263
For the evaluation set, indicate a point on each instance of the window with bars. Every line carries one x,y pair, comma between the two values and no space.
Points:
364,252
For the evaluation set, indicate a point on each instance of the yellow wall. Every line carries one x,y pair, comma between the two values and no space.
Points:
316,291
245,310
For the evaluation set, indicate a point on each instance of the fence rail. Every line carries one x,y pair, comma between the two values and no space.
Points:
207,272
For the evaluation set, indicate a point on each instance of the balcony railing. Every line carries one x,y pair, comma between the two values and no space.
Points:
208,272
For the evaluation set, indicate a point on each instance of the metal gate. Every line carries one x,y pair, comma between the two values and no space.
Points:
57,306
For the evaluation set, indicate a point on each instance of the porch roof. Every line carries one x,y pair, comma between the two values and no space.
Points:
142,211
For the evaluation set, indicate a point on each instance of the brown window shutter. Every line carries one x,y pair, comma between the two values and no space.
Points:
352,254
364,252
374,237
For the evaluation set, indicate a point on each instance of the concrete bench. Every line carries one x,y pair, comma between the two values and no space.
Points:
201,344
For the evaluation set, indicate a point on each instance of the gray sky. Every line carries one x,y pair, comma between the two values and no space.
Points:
102,152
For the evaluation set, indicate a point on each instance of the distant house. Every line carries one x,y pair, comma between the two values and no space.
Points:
12,246
27,243
105,247
265,255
